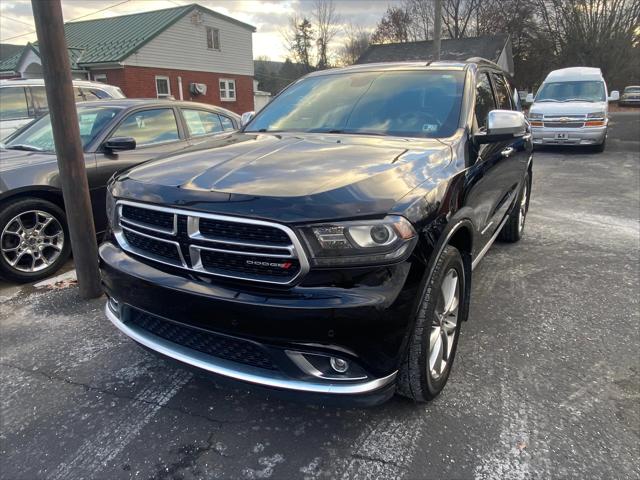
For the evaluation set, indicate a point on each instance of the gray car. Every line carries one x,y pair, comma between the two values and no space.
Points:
116,134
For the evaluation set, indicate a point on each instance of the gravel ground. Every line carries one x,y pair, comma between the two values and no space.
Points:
546,382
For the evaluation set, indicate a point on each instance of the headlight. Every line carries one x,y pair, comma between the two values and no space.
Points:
536,116
365,242
596,114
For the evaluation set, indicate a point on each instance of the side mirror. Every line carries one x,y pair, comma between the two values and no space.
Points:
503,125
119,144
529,98
614,96
246,118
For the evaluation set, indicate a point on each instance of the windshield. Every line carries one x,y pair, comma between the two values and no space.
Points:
399,103
591,91
38,136
632,90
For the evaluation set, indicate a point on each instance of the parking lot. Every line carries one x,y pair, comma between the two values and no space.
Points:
546,382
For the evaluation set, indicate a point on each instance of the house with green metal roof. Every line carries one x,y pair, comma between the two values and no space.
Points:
188,52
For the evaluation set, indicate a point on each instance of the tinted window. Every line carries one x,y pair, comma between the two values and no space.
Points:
91,120
149,126
13,103
484,100
591,91
94,94
503,97
403,103
201,122
227,124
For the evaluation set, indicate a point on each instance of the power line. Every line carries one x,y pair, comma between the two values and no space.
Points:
16,20
72,20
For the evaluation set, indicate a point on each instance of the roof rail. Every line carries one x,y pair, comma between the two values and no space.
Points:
484,61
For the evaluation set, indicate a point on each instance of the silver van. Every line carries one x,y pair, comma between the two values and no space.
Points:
571,108
23,100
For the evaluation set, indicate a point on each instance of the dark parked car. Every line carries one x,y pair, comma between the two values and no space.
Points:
116,134
328,247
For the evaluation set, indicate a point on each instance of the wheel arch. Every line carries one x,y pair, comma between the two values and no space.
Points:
50,194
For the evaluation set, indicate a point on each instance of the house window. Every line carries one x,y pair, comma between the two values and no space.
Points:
100,77
163,88
227,90
213,38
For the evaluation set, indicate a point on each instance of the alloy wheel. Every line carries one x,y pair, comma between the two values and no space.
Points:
32,241
444,325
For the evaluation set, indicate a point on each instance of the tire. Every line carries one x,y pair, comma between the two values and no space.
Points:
513,230
34,239
421,378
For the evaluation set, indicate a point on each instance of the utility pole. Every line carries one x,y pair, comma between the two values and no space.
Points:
437,29
66,135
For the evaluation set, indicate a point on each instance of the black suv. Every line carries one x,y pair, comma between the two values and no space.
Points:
327,247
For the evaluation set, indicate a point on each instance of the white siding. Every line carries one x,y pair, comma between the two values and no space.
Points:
183,46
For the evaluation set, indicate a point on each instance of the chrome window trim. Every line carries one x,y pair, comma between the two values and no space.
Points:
296,249
241,372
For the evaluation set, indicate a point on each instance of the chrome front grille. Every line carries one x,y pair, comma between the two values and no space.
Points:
219,245
564,121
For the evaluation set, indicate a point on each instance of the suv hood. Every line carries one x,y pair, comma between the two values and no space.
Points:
289,176
568,108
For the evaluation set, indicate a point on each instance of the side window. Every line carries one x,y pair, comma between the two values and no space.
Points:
149,126
94,94
39,96
484,100
13,103
227,123
503,96
77,93
200,122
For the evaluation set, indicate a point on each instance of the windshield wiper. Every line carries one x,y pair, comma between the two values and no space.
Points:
547,100
27,148
577,100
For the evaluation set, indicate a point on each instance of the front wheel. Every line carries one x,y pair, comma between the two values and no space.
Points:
34,239
434,339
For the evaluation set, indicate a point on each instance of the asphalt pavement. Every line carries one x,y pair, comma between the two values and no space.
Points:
546,382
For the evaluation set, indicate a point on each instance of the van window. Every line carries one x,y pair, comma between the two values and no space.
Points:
588,91
502,93
13,103
39,96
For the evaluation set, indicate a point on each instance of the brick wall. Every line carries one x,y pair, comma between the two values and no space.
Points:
139,82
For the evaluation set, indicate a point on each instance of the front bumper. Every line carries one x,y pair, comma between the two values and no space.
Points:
364,324
574,136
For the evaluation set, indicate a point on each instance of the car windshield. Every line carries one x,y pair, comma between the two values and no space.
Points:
398,103
38,136
589,91
632,90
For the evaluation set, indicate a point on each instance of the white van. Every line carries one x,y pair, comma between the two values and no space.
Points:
23,100
571,108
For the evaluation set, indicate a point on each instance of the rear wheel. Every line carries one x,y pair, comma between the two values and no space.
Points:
34,239
433,342
513,230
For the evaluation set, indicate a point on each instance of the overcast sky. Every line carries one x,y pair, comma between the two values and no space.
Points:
268,16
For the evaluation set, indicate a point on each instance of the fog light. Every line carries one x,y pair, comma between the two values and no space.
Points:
338,364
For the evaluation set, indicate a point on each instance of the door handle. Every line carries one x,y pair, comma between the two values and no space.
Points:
507,152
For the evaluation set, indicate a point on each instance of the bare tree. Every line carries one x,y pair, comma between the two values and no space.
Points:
421,14
356,41
458,16
327,27
393,27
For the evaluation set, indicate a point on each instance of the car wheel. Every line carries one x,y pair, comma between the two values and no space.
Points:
434,339
34,239
513,230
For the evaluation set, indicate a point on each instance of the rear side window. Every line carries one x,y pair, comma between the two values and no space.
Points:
94,94
149,126
503,97
484,100
227,124
13,103
200,122
77,93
